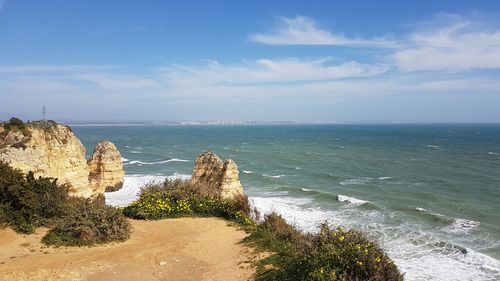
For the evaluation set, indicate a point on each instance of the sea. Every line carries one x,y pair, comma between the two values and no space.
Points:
429,194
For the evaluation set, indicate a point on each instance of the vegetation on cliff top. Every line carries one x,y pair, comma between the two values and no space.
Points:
329,254
27,202
179,198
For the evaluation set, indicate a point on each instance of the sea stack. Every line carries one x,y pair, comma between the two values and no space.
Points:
223,177
106,168
49,149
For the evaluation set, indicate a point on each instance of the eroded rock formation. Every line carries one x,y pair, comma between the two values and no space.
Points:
52,150
49,150
106,168
210,171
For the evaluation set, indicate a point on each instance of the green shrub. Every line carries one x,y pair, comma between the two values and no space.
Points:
330,254
28,202
180,198
88,224
15,122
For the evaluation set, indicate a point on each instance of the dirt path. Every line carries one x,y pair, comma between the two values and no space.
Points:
174,249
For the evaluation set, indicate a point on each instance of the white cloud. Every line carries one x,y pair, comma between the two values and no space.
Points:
116,81
269,71
451,43
304,31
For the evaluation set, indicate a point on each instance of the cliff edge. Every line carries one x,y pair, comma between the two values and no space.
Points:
50,149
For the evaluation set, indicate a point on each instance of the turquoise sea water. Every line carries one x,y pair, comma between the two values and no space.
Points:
430,194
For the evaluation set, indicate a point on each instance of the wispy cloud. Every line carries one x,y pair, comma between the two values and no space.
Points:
304,31
260,71
450,42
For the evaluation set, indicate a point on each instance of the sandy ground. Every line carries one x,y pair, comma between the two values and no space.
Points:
174,249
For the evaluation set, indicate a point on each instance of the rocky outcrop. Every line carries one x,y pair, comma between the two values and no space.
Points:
222,177
106,168
52,150
48,150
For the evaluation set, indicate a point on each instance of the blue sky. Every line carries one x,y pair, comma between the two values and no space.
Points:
432,61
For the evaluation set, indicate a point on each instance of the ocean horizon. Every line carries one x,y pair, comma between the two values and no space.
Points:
427,193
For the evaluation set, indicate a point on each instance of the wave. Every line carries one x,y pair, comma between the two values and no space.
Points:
357,181
307,189
450,225
247,172
433,146
417,251
492,153
461,226
351,200
384,178
274,177
124,159
157,162
135,152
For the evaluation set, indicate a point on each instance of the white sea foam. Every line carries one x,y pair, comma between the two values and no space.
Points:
492,153
131,186
307,189
247,172
433,146
357,181
271,176
462,226
124,159
413,249
157,162
384,178
421,209
350,200
135,152
298,168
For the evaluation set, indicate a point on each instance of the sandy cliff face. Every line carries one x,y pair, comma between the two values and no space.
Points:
106,168
52,150
49,151
209,170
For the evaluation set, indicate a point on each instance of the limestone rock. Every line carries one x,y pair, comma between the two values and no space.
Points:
52,150
222,177
230,183
106,168
49,150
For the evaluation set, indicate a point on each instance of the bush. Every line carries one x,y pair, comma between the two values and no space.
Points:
28,202
15,122
330,254
88,224
179,198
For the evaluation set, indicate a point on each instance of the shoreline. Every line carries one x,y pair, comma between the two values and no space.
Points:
187,248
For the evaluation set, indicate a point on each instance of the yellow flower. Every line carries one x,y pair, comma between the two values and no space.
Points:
360,263
377,259
341,238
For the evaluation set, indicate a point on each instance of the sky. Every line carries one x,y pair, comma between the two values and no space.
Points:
305,61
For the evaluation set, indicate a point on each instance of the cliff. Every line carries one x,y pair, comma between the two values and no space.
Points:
106,168
52,150
223,177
